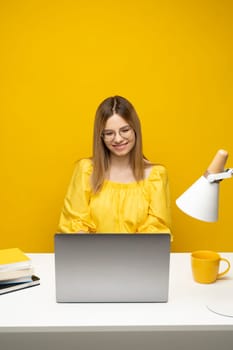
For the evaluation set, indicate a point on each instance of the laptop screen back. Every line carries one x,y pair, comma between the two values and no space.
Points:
112,267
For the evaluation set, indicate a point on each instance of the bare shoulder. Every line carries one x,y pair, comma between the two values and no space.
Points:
147,168
147,171
154,168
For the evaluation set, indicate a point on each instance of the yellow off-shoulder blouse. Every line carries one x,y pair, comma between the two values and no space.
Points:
135,207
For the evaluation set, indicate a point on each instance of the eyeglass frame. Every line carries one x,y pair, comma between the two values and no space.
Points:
114,133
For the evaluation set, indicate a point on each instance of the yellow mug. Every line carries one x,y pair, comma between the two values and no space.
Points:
205,266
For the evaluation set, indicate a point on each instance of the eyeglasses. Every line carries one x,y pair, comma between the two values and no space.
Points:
109,135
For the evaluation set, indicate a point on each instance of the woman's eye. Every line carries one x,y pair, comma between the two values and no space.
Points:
125,130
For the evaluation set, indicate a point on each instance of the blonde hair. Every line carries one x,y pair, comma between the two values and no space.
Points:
101,155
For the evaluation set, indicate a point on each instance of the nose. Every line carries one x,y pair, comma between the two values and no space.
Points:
118,138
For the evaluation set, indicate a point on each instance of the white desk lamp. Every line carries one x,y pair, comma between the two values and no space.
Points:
201,202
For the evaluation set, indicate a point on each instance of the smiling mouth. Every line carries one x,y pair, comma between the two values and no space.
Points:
120,145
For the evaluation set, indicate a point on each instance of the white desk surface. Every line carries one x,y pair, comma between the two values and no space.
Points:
35,309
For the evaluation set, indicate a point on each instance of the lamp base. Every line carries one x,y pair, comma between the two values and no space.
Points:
221,308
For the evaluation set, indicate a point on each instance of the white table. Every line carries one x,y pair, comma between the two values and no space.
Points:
31,318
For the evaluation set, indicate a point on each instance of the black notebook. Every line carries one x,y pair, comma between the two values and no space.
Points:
11,287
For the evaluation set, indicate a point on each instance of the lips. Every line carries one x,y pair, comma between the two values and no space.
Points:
120,146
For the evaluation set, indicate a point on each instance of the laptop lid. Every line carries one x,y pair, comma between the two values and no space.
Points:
112,267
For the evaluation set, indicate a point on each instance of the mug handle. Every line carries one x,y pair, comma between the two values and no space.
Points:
227,269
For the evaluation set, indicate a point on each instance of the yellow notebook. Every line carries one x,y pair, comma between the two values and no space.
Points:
13,258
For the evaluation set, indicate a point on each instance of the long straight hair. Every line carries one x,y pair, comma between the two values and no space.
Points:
101,155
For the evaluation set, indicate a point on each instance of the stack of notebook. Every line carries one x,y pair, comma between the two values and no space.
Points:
16,271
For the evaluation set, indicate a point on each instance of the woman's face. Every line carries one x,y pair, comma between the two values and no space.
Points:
118,136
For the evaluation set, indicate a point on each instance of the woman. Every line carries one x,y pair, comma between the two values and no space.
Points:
117,190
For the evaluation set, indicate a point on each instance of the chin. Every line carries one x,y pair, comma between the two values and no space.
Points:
121,153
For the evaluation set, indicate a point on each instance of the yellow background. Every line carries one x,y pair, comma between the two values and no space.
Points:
59,59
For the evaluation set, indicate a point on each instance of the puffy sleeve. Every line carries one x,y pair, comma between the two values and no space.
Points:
75,215
159,212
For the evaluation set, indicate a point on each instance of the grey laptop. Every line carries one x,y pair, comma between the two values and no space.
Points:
112,267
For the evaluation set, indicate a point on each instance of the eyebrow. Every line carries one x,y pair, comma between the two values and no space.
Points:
126,125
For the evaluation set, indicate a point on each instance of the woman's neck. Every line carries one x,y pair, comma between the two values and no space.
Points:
121,162
120,170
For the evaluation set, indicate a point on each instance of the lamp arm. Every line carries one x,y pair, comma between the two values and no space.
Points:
226,174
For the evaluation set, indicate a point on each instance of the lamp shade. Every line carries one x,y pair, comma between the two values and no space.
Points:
201,200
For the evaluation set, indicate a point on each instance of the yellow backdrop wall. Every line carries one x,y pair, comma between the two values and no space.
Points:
60,59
